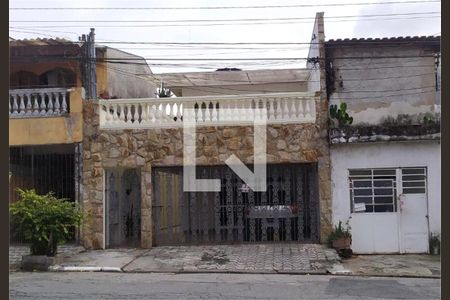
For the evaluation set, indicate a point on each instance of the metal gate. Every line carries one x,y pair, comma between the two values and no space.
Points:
123,207
288,211
49,168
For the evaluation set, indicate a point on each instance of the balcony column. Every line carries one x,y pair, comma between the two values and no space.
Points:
35,106
22,105
64,103
57,106
50,104
15,106
43,106
28,107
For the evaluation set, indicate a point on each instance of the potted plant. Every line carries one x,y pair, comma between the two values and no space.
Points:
340,239
45,221
435,244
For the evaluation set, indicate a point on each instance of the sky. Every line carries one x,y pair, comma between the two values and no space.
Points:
163,25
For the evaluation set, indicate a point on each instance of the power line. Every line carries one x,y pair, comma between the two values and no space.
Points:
208,89
374,41
124,59
224,20
262,58
229,23
223,7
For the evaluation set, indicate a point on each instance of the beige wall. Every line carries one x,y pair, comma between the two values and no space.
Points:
50,130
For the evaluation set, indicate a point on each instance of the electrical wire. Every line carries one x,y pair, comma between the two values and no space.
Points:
223,7
222,20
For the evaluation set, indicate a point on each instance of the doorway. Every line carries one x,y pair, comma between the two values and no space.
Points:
122,208
389,210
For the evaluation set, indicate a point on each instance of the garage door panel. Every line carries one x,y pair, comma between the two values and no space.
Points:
374,232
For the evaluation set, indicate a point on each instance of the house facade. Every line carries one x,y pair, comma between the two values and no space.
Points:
48,85
385,167
133,160
122,153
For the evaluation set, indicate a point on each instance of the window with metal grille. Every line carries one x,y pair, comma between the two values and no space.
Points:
414,180
372,190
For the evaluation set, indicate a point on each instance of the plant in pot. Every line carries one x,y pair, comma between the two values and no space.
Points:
45,221
435,244
340,239
339,119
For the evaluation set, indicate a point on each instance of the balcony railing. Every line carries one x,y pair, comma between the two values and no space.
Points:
26,103
207,110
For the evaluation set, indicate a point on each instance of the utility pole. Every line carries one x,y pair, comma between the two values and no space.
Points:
89,64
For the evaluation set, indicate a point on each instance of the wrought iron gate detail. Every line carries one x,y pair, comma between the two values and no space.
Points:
287,211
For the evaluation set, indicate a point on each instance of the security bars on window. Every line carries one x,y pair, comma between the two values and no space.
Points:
372,190
414,180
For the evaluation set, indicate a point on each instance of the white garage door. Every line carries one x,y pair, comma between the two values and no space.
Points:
389,210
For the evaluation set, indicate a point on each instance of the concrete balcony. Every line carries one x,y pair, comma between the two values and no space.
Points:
236,110
45,116
26,103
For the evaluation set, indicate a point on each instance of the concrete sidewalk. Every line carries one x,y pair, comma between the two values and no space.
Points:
396,265
262,258
251,258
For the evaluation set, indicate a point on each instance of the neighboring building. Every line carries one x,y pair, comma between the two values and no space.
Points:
236,82
386,166
133,159
47,90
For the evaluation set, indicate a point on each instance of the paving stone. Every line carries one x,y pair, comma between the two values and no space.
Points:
296,258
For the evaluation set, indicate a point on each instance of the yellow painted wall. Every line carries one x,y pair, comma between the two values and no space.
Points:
42,67
54,130
50,130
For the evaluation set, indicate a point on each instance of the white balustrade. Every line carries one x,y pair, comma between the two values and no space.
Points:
280,108
26,103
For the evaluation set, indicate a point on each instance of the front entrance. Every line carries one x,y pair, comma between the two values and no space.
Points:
123,208
288,211
389,210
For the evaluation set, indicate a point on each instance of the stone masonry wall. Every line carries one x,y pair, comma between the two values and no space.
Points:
143,149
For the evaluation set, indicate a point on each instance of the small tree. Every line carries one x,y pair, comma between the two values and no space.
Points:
44,220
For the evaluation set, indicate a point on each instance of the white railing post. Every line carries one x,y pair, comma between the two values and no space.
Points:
307,109
50,103
15,106
22,105
64,104
57,106
43,106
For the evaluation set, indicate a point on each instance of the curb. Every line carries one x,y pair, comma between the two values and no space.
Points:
84,269
227,272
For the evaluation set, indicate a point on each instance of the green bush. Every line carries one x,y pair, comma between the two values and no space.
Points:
44,220
338,232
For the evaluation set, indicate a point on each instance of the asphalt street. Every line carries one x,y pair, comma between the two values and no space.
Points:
88,285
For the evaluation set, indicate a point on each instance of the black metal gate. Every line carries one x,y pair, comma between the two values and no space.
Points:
288,211
50,168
